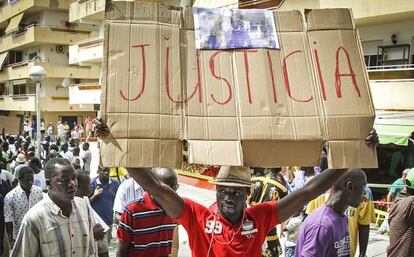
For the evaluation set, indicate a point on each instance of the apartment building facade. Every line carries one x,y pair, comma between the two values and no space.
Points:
38,32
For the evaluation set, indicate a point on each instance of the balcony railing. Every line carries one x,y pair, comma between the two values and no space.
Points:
17,102
7,11
34,34
86,51
392,94
53,69
390,72
87,9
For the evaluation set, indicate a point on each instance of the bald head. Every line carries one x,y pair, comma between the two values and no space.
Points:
351,186
167,176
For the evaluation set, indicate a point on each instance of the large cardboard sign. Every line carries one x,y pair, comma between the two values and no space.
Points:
251,107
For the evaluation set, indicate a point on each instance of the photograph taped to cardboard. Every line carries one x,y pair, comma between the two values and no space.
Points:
234,28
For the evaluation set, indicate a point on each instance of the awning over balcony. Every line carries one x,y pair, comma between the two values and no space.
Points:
394,127
85,94
19,82
14,23
3,57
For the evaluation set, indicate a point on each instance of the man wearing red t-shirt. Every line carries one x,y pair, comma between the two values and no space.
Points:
145,229
233,230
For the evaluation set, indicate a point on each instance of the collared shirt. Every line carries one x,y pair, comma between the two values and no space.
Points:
104,203
146,228
128,192
47,232
16,205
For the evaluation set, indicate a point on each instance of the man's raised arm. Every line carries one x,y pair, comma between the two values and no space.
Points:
294,202
169,200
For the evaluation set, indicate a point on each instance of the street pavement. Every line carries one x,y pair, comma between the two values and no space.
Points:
376,247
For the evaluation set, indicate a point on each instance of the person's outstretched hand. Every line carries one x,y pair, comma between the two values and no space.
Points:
372,139
98,232
101,129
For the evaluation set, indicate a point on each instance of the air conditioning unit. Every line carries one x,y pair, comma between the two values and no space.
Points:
60,49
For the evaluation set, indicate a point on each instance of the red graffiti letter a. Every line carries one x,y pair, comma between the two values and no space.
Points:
338,75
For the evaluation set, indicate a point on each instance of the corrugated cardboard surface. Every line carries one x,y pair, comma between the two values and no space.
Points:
252,107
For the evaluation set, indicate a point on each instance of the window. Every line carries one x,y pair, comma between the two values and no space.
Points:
14,57
33,56
19,89
371,60
3,89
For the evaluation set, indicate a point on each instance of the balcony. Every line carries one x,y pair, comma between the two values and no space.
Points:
366,12
375,12
17,102
391,72
85,93
86,52
34,35
61,104
8,11
395,95
93,10
53,70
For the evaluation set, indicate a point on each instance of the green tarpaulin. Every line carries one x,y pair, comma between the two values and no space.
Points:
393,134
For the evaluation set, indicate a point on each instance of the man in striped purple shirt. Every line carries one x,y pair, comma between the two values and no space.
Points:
144,228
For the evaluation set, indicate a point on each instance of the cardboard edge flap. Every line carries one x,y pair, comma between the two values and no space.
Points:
329,19
215,152
351,154
187,19
145,11
273,153
134,153
289,21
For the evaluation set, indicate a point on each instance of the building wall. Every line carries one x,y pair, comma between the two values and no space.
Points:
53,87
53,117
58,54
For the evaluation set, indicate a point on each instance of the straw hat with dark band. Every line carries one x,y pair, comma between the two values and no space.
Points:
233,176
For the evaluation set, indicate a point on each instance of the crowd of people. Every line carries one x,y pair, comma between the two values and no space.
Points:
51,206
63,130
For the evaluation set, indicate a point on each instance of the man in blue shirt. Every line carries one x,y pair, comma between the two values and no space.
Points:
102,202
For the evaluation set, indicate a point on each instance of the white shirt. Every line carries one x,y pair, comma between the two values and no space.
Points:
7,176
40,180
68,155
128,192
12,149
16,205
87,157
61,130
75,134
27,128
